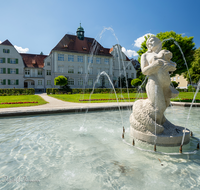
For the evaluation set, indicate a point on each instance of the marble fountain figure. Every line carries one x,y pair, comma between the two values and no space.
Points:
147,120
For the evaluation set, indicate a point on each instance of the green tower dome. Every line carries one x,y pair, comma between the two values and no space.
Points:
80,32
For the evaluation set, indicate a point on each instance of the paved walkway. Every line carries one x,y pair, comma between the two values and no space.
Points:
58,106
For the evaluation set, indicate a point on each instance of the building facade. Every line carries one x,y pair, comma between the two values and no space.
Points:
79,58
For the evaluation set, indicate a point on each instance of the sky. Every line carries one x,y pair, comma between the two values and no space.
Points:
37,26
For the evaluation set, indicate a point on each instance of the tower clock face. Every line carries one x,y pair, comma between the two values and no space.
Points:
81,33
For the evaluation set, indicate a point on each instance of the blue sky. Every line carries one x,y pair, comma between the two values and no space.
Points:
38,25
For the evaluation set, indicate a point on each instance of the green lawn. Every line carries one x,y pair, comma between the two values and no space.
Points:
21,98
77,97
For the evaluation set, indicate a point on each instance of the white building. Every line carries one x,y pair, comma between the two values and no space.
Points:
76,57
81,59
11,67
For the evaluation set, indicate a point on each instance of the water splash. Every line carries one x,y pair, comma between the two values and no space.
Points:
198,87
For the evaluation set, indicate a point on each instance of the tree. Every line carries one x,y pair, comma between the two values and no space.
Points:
175,84
60,80
136,82
186,43
41,53
195,68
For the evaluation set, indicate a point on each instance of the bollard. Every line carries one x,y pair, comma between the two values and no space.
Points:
154,147
191,134
123,130
122,135
133,143
180,149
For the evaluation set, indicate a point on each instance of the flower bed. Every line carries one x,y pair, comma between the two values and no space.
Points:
18,102
110,99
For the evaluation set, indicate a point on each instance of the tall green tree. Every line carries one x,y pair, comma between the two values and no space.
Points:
195,67
60,80
186,43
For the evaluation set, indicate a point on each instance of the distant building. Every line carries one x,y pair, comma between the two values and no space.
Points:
11,67
182,82
81,59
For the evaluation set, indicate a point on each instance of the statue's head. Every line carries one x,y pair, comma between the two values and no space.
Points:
154,44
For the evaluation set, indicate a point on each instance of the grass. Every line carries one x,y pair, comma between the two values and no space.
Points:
21,98
77,97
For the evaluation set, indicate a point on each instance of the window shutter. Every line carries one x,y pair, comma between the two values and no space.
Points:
8,51
17,71
17,82
4,60
8,81
8,60
16,61
4,81
8,70
3,50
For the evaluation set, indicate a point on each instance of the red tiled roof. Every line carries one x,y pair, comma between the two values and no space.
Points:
33,60
71,43
6,42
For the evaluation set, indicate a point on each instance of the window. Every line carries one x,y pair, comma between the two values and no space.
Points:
39,72
13,82
130,67
178,77
132,75
27,72
70,69
48,82
90,82
80,59
2,70
90,60
48,72
174,78
71,81
80,82
6,51
2,60
12,71
126,75
71,58
98,60
2,81
106,61
39,82
90,70
80,70
48,64
60,69
60,57
106,82
12,61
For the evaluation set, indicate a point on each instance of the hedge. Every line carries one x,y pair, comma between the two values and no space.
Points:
17,91
89,90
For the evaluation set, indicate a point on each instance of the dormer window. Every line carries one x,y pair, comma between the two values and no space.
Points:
101,50
84,48
65,46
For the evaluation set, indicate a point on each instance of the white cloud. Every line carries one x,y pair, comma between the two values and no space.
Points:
21,50
139,40
0,42
129,52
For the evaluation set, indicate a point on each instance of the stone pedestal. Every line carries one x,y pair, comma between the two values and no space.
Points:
171,136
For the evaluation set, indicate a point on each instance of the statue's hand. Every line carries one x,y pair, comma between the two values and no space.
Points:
169,67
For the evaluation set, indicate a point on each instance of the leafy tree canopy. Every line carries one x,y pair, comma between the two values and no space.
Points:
195,68
60,80
175,84
136,82
186,43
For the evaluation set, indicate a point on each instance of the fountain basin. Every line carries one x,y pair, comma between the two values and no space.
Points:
162,139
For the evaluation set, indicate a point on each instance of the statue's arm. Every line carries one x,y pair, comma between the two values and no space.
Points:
149,69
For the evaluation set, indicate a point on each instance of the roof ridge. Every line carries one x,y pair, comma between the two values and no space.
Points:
7,42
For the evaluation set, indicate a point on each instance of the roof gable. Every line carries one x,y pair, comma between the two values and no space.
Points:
6,42
71,43
33,60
